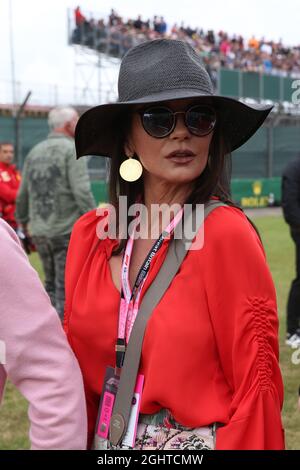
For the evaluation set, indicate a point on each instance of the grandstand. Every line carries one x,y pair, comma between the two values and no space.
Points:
254,70
248,69
115,36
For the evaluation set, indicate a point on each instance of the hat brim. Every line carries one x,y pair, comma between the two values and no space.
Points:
96,129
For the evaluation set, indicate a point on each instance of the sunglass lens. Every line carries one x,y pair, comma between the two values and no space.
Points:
157,122
201,120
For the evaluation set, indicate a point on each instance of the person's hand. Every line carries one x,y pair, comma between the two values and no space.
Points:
25,239
24,228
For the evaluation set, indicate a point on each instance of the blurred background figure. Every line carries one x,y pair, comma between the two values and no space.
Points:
55,191
10,179
79,17
291,211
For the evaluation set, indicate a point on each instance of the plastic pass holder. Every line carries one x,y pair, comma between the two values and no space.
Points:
108,395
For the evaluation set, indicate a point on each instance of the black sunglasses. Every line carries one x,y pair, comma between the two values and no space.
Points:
160,121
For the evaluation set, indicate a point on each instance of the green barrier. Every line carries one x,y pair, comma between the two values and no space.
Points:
99,190
229,82
271,87
250,84
261,192
236,83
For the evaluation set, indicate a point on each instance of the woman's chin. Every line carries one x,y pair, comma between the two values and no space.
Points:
181,176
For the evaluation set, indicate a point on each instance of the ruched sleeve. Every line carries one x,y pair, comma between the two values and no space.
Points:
242,306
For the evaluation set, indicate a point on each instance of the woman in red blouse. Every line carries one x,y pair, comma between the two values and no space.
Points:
210,351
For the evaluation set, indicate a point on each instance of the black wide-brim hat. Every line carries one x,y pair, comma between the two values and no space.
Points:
157,71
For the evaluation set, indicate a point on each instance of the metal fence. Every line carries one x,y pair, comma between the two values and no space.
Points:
263,156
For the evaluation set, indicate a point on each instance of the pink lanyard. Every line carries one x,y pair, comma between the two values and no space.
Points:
129,304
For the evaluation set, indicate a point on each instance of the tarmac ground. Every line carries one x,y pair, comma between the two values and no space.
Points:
263,212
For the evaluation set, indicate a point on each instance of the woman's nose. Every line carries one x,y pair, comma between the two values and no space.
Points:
180,129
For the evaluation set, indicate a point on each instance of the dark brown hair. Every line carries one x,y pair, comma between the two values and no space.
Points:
213,181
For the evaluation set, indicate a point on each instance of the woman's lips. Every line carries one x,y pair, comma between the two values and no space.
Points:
181,157
181,160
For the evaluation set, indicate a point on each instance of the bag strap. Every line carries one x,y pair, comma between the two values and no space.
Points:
177,251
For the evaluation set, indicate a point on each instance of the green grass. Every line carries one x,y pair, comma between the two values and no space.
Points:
280,254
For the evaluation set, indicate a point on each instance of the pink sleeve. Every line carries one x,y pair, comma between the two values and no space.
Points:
39,360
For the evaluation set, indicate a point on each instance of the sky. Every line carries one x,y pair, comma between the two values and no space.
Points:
45,64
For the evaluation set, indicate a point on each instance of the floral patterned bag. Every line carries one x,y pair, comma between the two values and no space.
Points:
161,432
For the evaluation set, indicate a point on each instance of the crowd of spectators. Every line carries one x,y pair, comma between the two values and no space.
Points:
116,36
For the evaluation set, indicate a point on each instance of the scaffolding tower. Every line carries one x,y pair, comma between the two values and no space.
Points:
95,70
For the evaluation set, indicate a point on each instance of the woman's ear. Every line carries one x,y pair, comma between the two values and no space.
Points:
128,149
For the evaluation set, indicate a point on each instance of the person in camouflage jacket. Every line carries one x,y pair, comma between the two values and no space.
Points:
54,193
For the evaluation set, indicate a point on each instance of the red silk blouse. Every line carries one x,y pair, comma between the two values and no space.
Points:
210,352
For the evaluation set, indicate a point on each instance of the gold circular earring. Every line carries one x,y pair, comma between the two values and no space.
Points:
131,169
